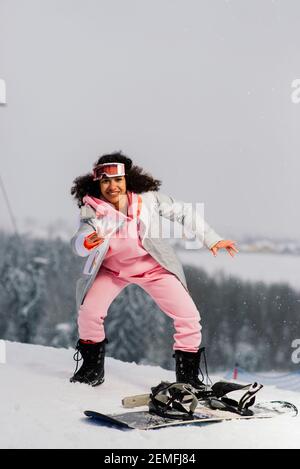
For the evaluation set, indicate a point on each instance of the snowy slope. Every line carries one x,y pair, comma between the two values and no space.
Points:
39,408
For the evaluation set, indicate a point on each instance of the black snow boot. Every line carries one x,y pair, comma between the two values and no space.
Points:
92,369
188,368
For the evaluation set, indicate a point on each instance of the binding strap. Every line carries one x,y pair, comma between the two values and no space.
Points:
239,407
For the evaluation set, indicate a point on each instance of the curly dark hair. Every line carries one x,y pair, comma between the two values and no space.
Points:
137,180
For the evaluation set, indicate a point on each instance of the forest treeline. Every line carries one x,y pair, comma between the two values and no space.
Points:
251,323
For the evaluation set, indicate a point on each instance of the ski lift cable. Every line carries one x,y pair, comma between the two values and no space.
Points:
11,214
12,217
38,260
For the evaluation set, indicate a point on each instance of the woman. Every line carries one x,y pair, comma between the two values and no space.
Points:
120,232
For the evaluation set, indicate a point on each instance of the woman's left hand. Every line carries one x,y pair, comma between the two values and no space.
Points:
227,244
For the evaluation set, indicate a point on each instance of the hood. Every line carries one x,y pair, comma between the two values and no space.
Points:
103,207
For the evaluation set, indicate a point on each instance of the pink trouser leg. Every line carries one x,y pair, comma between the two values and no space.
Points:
174,300
165,289
94,308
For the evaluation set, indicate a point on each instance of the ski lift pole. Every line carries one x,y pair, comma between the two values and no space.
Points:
235,371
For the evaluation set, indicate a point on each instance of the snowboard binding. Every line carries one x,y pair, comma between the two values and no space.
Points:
241,406
173,400
180,400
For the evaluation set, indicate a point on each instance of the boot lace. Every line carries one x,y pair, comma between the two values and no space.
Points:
206,378
76,358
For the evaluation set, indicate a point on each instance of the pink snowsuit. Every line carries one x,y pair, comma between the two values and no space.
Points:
127,262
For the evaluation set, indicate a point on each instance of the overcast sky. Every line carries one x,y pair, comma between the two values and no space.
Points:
196,92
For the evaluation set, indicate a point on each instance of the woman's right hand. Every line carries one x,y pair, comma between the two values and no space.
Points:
92,240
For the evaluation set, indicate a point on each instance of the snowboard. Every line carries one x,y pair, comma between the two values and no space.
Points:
144,420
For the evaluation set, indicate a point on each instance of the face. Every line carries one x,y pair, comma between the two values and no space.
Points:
112,188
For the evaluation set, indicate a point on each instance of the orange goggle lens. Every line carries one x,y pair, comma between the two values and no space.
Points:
108,170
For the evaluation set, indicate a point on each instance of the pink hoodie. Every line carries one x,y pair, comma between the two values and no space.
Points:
126,255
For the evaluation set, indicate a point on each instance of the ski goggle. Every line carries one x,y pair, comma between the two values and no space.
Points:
108,170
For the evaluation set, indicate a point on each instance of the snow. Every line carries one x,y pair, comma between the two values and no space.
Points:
40,408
